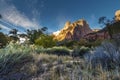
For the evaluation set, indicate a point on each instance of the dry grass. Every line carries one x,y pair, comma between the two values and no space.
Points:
18,62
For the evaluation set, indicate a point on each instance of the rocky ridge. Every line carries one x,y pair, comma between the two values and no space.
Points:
73,31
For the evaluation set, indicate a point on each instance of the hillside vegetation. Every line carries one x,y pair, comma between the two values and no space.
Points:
22,62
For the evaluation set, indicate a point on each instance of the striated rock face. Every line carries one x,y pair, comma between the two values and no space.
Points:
117,15
74,31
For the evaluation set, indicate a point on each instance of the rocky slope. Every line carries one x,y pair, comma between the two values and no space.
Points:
74,31
117,15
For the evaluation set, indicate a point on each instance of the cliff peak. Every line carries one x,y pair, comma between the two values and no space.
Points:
74,31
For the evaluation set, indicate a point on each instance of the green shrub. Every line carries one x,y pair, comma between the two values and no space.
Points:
60,51
107,55
80,51
68,43
20,62
82,42
46,41
13,55
3,40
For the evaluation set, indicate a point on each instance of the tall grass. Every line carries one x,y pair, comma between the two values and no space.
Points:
28,62
107,55
103,62
13,55
21,61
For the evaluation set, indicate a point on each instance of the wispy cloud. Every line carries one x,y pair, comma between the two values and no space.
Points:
11,14
56,33
4,27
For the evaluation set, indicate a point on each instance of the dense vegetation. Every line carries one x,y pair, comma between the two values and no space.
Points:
34,62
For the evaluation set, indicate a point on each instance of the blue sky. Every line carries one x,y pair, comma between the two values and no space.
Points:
33,14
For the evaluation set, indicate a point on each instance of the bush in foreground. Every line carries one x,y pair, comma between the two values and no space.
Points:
20,62
107,55
80,51
46,41
60,51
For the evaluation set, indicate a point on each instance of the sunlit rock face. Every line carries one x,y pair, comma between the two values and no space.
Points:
74,31
117,15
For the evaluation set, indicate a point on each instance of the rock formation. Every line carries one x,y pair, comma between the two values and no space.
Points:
80,29
74,31
117,15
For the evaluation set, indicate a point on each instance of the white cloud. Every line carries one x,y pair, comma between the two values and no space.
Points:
56,33
12,15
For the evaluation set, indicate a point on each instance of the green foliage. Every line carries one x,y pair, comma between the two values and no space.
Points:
103,20
54,50
45,41
3,40
80,51
89,44
96,43
35,34
60,51
68,43
111,26
21,61
13,31
13,36
13,55
115,28
82,42
17,48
